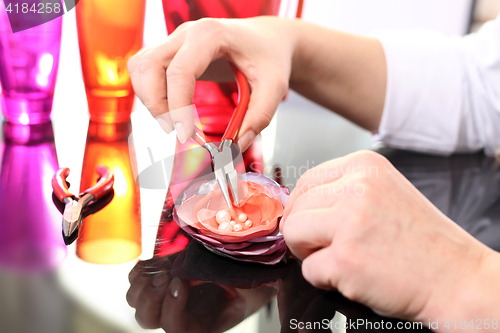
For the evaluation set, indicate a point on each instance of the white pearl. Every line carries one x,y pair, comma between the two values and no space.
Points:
222,216
237,227
232,223
242,217
248,223
224,226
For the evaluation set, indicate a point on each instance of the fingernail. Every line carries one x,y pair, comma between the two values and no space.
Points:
175,287
159,280
181,132
165,122
246,139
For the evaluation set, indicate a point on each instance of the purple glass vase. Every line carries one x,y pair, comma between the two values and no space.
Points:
30,223
28,67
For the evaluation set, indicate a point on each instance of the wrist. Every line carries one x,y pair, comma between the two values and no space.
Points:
302,58
479,296
473,297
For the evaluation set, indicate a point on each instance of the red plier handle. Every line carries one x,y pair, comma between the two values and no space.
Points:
239,112
100,189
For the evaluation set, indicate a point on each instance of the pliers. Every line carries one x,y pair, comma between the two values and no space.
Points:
224,155
75,207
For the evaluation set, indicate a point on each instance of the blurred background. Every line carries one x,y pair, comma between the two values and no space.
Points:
79,296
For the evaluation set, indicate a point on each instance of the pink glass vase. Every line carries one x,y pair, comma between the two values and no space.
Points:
28,67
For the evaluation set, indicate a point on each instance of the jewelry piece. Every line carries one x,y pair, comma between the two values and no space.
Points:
224,226
222,216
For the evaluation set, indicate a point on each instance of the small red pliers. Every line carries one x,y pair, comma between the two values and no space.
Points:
224,155
74,209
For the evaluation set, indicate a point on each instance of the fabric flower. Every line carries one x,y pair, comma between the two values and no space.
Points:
248,232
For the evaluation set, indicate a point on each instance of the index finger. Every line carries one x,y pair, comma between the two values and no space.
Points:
189,63
309,231
147,70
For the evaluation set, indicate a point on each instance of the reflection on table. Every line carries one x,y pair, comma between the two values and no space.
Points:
112,235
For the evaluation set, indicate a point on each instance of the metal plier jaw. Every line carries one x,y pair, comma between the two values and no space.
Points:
73,213
225,170
75,206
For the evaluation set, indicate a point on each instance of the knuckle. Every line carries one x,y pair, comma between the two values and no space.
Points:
175,70
133,273
143,321
300,201
129,299
309,272
349,289
263,119
369,157
138,318
183,26
302,187
360,221
282,87
289,230
304,179
151,105
145,63
292,232
345,256
209,25
132,63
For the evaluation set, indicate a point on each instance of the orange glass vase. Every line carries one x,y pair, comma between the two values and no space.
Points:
113,234
109,33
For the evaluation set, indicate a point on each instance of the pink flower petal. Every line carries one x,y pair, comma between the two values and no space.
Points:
185,211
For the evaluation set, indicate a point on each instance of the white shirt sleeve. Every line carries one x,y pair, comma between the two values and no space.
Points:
443,93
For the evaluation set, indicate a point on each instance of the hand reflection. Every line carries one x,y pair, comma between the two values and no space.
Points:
298,300
166,296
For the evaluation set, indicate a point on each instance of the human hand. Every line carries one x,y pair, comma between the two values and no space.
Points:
261,48
175,305
360,226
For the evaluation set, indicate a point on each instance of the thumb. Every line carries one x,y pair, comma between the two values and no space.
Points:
264,100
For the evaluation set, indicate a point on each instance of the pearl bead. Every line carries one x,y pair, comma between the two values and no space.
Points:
224,226
248,223
237,227
222,216
242,217
232,223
